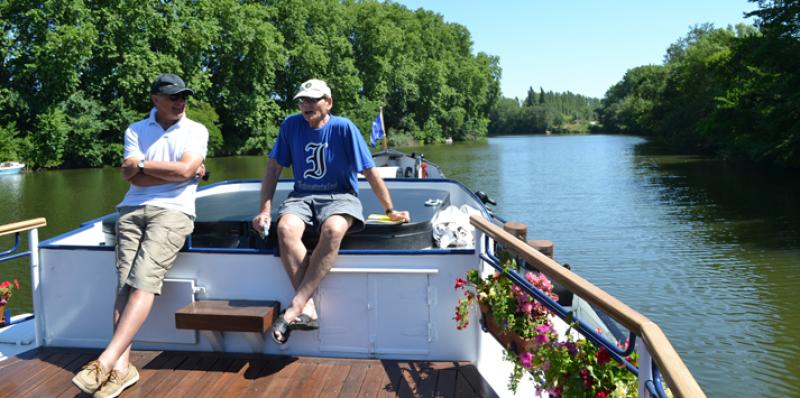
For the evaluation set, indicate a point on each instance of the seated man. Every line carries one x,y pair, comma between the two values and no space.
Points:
326,153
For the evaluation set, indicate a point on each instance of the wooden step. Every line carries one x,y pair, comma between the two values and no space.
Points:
228,315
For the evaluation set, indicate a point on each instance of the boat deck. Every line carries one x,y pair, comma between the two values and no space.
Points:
47,373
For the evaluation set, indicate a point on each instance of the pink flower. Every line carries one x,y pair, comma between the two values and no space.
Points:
5,284
529,276
527,308
460,282
543,331
544,328
526,358
546,285
542,338
16,283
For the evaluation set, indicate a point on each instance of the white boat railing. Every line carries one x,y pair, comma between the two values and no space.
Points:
32,226
656,345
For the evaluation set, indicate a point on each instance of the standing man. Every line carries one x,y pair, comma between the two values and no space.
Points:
326,152
163,162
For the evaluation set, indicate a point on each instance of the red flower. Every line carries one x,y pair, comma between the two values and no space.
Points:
603,356
5,284
460,282
16,283
601,394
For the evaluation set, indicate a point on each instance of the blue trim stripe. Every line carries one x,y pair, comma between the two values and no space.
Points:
14,256
17,241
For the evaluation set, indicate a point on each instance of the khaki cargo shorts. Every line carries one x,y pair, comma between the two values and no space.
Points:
147,243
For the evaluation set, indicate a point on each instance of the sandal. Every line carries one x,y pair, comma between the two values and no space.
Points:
304,322
282,327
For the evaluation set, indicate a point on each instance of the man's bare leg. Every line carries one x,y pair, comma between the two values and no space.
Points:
322,260
130,319
294,254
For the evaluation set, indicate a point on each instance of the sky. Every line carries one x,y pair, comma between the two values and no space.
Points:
582,46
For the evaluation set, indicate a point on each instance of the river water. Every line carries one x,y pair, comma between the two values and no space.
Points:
708,250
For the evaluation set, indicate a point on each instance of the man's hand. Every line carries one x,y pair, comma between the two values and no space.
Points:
129,168
261,222
403,216
201,171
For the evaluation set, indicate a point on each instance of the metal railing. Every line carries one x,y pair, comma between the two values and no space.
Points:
32,226
665,360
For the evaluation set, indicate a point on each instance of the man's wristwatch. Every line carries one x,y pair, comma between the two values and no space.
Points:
141,165
389,211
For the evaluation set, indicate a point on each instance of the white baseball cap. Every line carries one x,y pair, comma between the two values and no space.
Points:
313,89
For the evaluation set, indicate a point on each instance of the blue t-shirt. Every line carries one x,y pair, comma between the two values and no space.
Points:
327,159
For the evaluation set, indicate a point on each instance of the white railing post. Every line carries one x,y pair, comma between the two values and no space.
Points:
38,313
645,368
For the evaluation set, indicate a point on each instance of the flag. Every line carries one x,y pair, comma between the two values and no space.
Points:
377,130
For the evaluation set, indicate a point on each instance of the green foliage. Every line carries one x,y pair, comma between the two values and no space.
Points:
49,138
85,146
628,105
543,112
203,113
732,92
9,143
81,70
260,142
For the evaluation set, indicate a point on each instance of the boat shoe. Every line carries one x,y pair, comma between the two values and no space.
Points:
91,377
118,382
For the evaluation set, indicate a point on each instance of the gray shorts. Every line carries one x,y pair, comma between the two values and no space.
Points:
315,208
148,241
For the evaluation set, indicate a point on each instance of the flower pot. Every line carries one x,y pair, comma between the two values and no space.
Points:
509,340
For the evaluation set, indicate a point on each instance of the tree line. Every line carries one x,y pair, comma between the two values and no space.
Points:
544,112
731,92
75,73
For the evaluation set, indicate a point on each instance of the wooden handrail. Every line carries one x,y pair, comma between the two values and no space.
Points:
680,380
22,226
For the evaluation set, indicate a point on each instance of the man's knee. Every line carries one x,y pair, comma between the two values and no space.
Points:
335,227
290,226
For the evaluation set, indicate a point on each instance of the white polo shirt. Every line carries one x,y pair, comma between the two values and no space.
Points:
147,139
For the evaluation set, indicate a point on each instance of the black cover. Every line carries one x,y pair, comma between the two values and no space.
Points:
223,221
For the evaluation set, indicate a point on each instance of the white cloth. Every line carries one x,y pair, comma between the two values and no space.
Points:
451,227
147,139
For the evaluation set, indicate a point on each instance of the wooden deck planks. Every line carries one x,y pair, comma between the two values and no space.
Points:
47,372
60,380
334,381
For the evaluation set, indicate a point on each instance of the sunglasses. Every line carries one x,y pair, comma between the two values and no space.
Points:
308,101
175,97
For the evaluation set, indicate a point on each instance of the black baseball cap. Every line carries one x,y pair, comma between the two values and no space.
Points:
168,83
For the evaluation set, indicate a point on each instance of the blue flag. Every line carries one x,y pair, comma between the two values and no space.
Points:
377,130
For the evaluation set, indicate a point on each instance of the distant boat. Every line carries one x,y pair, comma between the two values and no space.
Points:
11,167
